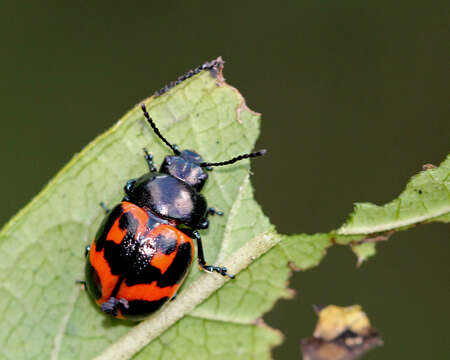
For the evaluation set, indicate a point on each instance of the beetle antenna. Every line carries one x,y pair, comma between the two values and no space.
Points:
156,130
233,160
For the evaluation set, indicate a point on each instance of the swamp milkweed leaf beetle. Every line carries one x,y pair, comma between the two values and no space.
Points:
144,247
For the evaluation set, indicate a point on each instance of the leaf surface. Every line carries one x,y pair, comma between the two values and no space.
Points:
45,315
426,198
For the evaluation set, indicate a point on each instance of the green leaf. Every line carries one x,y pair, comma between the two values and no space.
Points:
426,198
364,251
45,315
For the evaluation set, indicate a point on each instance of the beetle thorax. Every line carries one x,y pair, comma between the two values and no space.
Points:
169,197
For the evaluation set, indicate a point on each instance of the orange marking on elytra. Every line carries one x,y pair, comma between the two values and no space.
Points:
116,234
148,292
107,280
161,260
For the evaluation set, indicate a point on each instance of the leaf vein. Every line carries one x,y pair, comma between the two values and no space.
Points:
229,225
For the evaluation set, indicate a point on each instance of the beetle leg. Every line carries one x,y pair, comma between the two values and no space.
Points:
204,224
107,210
202,262
149,159
213,211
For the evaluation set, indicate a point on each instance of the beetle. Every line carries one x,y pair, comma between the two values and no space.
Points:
144,247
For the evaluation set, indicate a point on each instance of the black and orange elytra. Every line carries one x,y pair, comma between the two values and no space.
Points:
144,247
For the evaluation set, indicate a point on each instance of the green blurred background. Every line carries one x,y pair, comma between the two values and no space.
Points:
354,97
